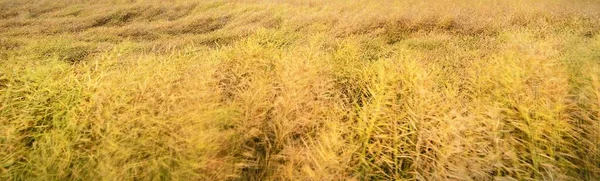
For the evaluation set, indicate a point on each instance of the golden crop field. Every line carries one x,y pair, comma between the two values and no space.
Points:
299,90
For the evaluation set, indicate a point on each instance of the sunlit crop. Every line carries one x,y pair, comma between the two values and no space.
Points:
299,90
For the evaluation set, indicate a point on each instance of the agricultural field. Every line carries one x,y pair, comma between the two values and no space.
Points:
299,90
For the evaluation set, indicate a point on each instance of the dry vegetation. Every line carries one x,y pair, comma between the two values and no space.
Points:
299,90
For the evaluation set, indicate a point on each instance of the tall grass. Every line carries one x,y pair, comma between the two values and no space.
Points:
299,90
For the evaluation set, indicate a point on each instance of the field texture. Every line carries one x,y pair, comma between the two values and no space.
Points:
299,90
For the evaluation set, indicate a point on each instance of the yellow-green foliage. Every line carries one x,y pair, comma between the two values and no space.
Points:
299,90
